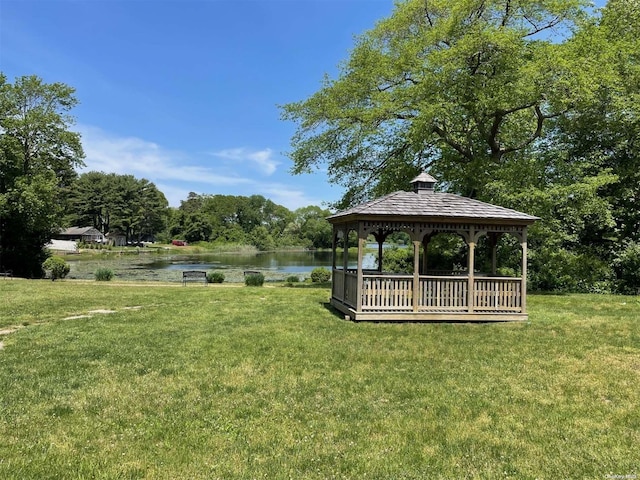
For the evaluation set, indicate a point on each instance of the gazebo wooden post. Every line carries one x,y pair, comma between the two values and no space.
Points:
345,259
471,243
380,237
416,275
523,280
425,246
493,239
362,241
334,246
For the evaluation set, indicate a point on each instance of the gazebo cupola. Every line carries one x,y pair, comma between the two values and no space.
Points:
423,295
423,183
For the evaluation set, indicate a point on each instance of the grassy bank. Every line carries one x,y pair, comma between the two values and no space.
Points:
237,382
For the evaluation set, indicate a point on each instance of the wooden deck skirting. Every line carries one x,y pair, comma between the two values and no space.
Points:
440,298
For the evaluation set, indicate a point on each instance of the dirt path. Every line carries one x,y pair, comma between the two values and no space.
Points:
5,331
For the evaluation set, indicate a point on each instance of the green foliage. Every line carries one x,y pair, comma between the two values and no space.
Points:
292,279
254,280
104,274
262,239
215,277
56,267
238,220
453,84
447,252
115,203
397,260
560,270
320,275
310,225
627,267
38,154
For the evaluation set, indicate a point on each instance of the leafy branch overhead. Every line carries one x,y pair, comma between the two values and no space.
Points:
529,104
442,82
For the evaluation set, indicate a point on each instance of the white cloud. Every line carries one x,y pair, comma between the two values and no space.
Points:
262,158
289,197
173,194
177,173
130,155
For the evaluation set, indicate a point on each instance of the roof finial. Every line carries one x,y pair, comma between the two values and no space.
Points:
423,183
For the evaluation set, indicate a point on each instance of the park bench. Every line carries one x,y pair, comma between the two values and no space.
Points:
251,272
7,274
197,275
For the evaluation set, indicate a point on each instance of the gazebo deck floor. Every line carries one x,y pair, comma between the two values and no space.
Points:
410,316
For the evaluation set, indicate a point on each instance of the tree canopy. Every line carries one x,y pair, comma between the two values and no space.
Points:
454,86
530,104
254,220
121,204
38,156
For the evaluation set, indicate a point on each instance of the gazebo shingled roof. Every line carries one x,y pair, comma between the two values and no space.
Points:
434,206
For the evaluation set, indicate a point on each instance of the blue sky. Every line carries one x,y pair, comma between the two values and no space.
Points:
186,93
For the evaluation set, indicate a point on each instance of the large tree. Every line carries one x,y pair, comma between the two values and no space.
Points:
38,154
118,203
455,86
530,104
583,180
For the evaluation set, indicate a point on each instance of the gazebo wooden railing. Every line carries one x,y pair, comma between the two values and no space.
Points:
391,293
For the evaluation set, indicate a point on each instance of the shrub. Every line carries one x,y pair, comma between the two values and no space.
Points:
254,280
506,272
563,271
397,260
293,279
627,268
215,277
104,274
320,275
56,267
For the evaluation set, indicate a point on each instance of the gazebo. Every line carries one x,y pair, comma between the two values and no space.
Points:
423,295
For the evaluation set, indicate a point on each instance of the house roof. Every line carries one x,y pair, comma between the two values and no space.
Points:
79,231
432,206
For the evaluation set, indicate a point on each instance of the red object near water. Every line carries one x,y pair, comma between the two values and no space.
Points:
178,243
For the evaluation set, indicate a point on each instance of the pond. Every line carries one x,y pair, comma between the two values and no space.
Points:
276,266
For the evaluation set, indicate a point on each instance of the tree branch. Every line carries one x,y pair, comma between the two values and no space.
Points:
507,14
540,118
426,13
444,135
537,29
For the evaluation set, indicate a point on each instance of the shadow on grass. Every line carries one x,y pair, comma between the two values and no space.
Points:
335,312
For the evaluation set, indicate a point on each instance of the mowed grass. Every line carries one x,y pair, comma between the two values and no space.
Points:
238,382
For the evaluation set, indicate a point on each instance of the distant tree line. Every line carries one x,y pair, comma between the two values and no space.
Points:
117,204
136,209
254,220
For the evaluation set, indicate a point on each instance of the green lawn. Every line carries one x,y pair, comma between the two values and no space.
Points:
237,382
